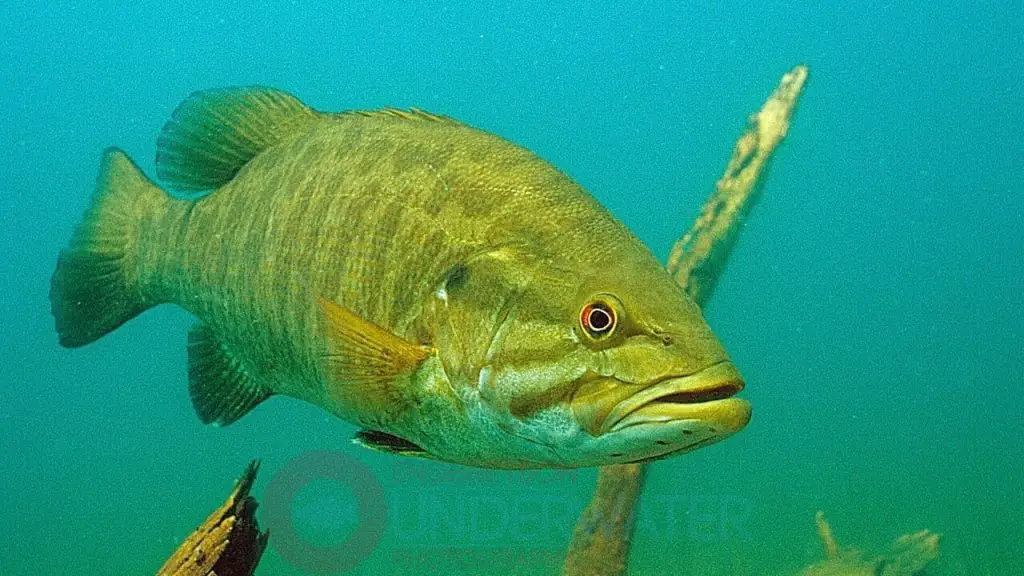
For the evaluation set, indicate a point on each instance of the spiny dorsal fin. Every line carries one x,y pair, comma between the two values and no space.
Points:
384,442
221,391
414,114
213,133
368,361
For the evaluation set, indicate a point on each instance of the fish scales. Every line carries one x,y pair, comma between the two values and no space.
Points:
309,224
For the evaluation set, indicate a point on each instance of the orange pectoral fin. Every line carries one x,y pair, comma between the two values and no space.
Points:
368,361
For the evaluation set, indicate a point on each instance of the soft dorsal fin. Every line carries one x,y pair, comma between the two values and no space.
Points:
367,360
213,133
384,442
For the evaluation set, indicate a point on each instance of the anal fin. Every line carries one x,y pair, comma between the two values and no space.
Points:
221,390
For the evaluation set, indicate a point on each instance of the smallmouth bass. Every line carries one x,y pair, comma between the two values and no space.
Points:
450,293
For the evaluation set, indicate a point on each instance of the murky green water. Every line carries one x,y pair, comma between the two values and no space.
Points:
874,303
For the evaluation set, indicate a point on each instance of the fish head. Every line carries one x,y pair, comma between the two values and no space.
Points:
613,366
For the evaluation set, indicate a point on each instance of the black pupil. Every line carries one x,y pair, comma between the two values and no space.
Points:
599,320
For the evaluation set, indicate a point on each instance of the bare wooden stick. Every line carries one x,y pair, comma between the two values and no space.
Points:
228,543
697,258
601,541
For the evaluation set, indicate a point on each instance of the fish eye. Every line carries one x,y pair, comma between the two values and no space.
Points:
598,319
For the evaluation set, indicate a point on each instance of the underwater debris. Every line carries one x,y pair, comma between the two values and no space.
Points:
602,538
908,555
828,540
228,543
697,259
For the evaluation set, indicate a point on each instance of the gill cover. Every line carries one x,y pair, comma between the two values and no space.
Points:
500,330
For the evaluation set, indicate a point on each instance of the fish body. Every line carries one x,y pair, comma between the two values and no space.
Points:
448,292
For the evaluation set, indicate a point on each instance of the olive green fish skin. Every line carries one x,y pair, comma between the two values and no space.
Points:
448,237
370,212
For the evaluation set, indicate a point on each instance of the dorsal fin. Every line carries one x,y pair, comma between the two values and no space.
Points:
213,133
414,114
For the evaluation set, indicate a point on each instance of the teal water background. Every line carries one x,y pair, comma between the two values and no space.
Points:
875,302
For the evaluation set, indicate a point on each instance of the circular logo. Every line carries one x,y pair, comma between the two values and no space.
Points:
279,500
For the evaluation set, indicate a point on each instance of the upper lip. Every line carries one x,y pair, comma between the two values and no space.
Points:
715,382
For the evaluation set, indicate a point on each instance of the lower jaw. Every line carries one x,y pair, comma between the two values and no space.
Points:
679,451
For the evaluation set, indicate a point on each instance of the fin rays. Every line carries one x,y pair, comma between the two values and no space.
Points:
221,390
213,134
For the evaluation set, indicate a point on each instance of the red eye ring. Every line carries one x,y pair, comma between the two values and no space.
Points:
598,319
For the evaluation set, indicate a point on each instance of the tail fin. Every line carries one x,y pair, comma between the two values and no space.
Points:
95,289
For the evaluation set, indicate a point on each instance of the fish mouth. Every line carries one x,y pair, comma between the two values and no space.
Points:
706,396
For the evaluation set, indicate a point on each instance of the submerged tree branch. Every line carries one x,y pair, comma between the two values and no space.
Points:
228,543
603,535
697,259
